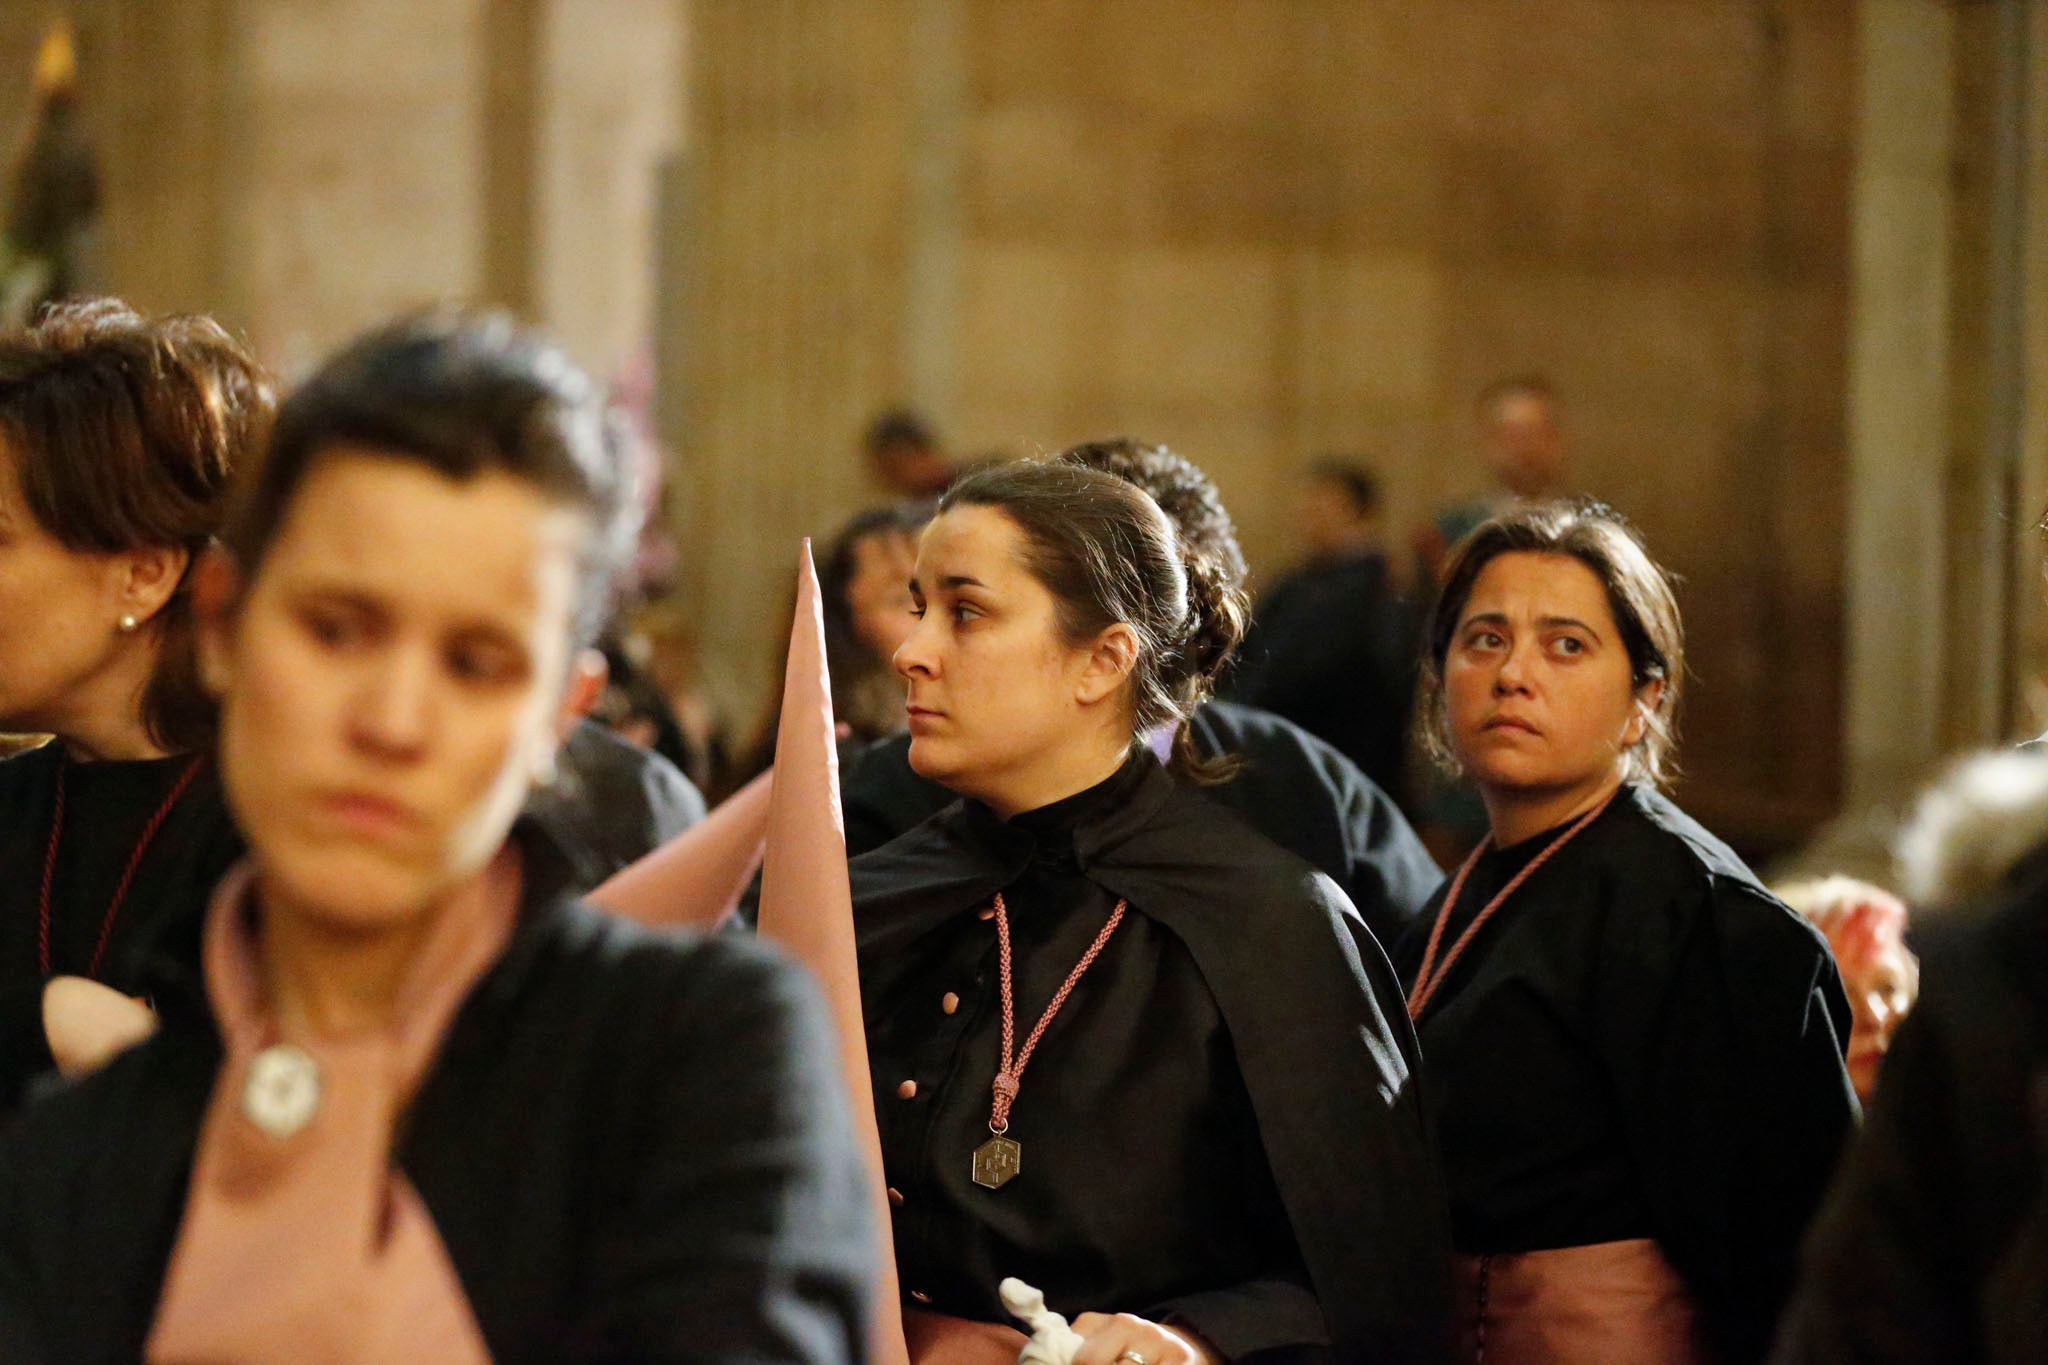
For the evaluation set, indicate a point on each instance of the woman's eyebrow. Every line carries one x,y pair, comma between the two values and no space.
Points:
950,581
1556,622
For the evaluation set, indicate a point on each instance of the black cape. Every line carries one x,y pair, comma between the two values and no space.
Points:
1933,1244
1332,647
1312,1009
1643,1042
1290,786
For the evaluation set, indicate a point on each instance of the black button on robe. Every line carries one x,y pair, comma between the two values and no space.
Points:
1220,1128
1642,1042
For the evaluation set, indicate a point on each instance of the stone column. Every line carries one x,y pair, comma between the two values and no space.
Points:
790,252
1899,396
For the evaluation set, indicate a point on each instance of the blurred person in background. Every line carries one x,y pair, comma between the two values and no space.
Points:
1290,786
1635,1051
118,435
434,1107
1933,1244
1332,643
864,581
1866,929
904,455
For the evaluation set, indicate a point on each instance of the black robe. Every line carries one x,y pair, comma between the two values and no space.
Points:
1933,1244
1642,1042
613,804
635,1148
153,949
1332,647
1222,1126
1290,786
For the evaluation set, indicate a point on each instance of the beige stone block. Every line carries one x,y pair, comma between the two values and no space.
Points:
1370,328
1047,172
366,50
1217,182
1204,60
1193,325
1024,320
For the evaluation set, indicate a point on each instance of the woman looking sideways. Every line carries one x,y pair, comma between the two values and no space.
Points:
1635,1052
117,438
1124,1048
435,1108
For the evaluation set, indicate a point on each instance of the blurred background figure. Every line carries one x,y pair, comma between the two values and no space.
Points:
864,589
50,245
1521,442
1332,644
1866,927
865,581
118,438
1933,1244
904,455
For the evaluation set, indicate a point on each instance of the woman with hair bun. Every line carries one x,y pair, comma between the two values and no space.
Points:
1125,1049
118,434
1635,1051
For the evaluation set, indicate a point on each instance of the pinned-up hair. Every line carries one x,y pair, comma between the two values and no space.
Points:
1638,593
462,394
126,431
1108,554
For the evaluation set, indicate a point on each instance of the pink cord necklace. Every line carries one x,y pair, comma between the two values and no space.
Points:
997,1161
1426,985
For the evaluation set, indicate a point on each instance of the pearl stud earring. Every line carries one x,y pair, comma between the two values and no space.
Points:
128,624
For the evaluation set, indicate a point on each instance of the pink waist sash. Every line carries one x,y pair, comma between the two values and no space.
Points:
1613,1302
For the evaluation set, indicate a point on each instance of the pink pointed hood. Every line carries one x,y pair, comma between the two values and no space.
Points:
807,902
695,879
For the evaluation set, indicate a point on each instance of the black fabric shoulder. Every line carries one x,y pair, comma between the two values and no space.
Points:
29,770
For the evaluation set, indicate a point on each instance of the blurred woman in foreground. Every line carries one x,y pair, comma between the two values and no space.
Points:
435,1108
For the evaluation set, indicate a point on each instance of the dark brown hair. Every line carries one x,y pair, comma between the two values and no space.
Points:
1211,556
126,430
1108,554
462,394
1638,593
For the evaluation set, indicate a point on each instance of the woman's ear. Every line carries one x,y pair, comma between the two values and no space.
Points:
1110,662
587,675
148,578
216,590
1649,700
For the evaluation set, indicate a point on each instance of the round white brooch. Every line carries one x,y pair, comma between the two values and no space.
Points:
283,1090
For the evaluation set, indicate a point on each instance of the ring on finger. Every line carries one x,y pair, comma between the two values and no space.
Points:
1133,1357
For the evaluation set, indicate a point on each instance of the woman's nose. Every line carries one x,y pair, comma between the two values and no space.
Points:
914,655
1512,675
394,704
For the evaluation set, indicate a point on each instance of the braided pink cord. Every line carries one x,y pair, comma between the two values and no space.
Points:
1011,1076
1426,985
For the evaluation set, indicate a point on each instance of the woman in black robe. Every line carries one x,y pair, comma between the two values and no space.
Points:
1207,1143
1635,1052
1290,786
117,438
430,1106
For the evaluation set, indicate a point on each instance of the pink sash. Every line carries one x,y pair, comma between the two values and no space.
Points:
1613,1302
312,1247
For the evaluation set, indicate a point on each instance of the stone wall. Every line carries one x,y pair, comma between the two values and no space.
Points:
1259,230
